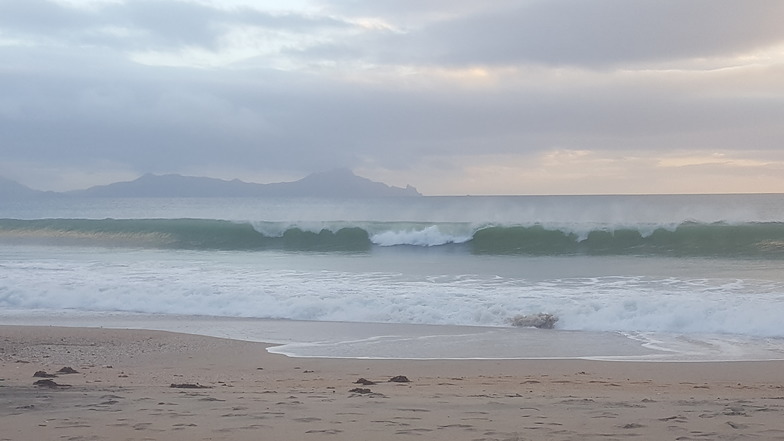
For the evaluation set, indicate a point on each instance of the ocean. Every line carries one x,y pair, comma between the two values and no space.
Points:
635,278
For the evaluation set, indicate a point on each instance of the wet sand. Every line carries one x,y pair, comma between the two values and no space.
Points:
152,385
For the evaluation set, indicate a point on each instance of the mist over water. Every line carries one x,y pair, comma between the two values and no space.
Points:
504,210
650,267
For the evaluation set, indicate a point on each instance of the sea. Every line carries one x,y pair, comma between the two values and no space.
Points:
626,278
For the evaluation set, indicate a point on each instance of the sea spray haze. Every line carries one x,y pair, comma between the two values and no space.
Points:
655,268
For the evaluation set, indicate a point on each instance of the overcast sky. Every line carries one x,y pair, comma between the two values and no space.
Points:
450,96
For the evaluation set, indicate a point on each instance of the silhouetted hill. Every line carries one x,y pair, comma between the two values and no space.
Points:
336,183
12,190
150,186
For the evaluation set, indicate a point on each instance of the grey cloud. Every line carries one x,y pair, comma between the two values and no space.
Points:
32,17
593,33
159,120
169,23
153,25
411,13
181,23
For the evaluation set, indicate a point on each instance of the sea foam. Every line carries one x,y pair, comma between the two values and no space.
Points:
250,285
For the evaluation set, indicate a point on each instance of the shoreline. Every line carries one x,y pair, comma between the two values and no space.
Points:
237,390
382,341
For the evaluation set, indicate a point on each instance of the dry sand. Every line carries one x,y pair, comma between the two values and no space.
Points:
237,391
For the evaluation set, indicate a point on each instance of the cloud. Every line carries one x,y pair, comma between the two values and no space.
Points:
433,93
593,34
146,24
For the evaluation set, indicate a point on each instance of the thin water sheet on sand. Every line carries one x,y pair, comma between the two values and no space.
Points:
299,338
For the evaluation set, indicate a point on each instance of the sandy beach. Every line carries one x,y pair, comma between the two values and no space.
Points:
151,385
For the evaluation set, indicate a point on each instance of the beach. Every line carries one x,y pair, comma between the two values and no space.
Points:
153,385
286,319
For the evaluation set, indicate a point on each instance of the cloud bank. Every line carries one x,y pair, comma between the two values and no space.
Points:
512,97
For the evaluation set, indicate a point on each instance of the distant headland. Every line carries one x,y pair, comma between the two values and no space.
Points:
339,183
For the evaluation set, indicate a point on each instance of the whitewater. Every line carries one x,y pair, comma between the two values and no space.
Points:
688,277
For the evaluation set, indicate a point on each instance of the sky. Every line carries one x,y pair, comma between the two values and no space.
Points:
451,96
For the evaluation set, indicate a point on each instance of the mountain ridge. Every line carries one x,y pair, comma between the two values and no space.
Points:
337,183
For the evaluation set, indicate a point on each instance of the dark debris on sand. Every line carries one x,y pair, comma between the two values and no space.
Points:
50,384
189,386
361,390
365,382
399,379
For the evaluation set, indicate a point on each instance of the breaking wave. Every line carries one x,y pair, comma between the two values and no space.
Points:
756,239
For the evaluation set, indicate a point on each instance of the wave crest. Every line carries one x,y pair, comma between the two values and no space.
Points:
763,240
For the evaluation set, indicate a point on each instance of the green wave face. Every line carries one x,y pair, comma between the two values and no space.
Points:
760,240
195,234
688,239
